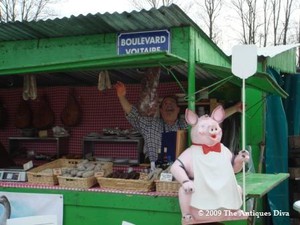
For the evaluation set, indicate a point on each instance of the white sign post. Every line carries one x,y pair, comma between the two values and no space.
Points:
244,65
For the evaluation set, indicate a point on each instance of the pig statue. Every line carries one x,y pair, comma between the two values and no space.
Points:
206,171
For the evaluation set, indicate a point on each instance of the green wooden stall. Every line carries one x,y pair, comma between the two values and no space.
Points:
89,42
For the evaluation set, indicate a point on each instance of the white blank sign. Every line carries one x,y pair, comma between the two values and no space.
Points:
244,60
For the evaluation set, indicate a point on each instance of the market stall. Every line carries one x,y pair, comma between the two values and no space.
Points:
71,53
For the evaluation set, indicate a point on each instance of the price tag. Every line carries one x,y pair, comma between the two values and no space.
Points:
166,177
57,171
28,165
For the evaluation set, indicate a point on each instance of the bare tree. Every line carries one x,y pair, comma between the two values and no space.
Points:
24,10
287,15
276,7
207,11
266,22
298,38
247,12
211,10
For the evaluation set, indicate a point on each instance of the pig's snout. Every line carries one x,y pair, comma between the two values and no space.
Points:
214,131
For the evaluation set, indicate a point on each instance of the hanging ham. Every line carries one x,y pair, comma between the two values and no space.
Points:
71,114
43,116
149,102
23,116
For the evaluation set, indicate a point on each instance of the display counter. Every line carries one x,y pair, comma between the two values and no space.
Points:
96,205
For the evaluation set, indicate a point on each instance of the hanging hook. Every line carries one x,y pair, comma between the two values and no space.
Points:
217,84
174,76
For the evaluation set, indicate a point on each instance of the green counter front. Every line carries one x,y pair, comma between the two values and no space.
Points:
96,206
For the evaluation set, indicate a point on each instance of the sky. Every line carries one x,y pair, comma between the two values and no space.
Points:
76,7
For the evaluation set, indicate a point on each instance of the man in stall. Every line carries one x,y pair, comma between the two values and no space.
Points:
158,132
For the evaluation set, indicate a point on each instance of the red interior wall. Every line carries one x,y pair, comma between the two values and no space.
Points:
99,110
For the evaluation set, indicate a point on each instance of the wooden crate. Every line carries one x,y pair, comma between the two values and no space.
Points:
38,176
126,184
167,186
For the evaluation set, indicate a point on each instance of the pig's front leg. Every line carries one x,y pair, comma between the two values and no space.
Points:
243,156
184,203
179,171
187,187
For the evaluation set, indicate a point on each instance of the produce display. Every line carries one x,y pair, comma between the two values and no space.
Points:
81,172
130,180
83,169
124,175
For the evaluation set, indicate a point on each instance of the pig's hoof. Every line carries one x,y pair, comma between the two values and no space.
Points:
187,218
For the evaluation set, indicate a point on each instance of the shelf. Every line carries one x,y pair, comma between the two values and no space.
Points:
36,138
113,140
88,146
16,151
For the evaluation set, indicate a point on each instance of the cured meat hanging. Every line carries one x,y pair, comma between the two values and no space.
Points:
23,117
43,116
29,87
149,103
71,114
104,81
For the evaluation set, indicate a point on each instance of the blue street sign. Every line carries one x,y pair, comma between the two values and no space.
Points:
143,42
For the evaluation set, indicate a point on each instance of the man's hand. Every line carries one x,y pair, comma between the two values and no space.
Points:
239,107
121,89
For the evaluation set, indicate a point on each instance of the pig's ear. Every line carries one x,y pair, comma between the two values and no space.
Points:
218,114
191,117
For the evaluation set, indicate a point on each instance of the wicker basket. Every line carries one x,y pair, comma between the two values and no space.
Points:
36,175
126,184
77,182
167,186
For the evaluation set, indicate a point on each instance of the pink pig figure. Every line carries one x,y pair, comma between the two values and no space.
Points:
206,171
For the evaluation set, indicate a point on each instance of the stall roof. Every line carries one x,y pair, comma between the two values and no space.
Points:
154,19
261,81
281,57
272,51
